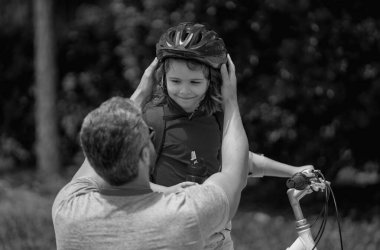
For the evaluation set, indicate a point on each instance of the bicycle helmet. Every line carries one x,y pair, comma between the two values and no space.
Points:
192,41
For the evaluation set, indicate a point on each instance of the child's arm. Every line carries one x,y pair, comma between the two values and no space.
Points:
260,166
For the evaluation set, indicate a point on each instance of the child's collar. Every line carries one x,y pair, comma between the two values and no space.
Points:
175,111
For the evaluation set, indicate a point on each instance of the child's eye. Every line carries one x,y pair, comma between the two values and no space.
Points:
175,81
196,82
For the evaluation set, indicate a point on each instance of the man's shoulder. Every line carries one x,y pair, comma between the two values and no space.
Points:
204,206
206,191
210,206
75,188
81,185
208,195
204,199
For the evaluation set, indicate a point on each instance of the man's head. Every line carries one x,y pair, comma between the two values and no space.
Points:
114,139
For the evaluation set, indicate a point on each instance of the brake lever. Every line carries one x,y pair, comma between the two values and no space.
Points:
318,184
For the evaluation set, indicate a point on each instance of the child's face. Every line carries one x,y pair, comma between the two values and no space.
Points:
185,86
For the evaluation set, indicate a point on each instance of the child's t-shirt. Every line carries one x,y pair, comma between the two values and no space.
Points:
184,133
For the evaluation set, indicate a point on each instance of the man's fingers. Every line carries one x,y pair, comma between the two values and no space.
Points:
231,65
154,63
152,66
223,71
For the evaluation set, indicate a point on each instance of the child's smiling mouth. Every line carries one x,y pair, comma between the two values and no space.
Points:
186,98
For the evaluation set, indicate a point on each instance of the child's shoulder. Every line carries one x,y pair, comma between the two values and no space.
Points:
153,106
219,116
152,112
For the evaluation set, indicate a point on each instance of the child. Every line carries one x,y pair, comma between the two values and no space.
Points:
189,106
187,113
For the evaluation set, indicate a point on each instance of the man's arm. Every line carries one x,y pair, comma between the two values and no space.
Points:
144,91
260,166
233,177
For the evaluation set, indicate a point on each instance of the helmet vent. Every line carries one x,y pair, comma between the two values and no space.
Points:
185,40
171,36
197,39
184,36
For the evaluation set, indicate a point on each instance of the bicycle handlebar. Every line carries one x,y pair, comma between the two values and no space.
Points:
299,185
307,179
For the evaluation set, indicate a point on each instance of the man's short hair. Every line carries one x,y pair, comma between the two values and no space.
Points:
112,137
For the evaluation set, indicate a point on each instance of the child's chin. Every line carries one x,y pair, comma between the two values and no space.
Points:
188,109
186,106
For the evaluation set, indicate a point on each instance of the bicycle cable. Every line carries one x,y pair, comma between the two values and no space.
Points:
322,227
323,212
327,192
337,216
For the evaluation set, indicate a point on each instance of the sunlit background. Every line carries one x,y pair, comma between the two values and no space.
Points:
309,92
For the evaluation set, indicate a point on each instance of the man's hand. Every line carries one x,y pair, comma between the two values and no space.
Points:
144,90
229,91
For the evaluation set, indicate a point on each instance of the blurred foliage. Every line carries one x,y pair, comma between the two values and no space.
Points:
25,217
308,72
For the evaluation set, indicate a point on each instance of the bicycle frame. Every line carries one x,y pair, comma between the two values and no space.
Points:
305,240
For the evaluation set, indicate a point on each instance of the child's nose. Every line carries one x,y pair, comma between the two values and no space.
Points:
185,89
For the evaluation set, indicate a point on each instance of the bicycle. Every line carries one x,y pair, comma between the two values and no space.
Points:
300,185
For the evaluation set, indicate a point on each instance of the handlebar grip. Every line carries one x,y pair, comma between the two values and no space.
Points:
298,181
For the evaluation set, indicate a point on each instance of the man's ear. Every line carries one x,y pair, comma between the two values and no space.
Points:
145,155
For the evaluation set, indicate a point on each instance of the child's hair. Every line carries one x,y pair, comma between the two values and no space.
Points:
212,101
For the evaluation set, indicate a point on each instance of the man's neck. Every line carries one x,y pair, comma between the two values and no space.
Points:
86,170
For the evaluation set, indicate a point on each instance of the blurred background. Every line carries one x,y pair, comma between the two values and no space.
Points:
309,92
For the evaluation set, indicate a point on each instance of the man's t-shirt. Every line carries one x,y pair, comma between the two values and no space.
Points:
86,216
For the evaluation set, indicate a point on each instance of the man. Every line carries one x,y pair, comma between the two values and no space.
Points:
109,203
